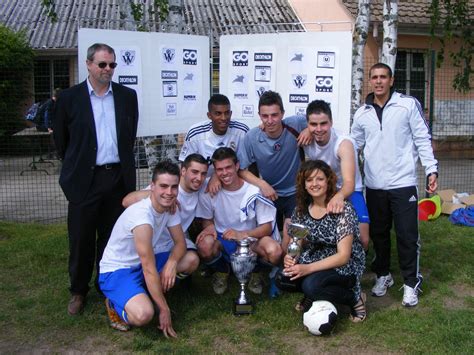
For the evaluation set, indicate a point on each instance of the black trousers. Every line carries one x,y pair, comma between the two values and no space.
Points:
400,207
325,285
90,223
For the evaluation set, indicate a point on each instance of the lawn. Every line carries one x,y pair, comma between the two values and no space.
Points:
33,298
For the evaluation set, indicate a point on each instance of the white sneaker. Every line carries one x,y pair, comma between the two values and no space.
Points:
382,283
410,296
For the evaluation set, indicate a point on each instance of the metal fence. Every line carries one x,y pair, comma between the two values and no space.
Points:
29,168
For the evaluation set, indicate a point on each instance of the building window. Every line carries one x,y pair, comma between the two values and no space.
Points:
50,74
410,75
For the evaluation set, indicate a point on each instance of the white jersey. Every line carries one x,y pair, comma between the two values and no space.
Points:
225,209
201,139
187,211
120,252
329,154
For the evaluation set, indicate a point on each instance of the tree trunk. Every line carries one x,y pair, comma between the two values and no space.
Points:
359,39
390,33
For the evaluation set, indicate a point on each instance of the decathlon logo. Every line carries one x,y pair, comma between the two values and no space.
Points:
299,80
168,55
299,98
324,83
128,79
190,56
263,57
128,57
169,74
240,58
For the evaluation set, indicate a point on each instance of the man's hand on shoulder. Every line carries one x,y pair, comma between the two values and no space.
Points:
214,185
336,204
305,137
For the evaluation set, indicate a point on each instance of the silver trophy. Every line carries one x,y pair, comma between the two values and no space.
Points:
243,261
297,232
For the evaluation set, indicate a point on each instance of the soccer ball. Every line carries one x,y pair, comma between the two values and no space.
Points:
320,318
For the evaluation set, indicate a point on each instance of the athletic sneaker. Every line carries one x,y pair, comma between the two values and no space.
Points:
219,282
382,283
410,296
115,321
255,283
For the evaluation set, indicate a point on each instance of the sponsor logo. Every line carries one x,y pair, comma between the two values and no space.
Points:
277,147
297,57
299,98
171,109
247,110
169,74
326,59
128,79
241,96
263,57
233,146
128,56
170,89
168,55
189,97
299,80
261,89
263,73
239,79
189,76
190,56
300,111
412,199
324,83
240,58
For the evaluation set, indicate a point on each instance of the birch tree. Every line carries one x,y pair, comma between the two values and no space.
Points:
359,39
390,33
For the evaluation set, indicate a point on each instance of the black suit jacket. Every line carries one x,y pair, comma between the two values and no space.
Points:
76,139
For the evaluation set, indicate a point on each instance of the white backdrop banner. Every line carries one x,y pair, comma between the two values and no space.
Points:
169,72
302,67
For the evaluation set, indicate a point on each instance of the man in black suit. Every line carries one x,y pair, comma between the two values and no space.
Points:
94,130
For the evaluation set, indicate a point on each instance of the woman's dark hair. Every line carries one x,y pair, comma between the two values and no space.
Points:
303,198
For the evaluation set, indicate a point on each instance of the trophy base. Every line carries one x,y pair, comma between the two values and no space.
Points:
242,309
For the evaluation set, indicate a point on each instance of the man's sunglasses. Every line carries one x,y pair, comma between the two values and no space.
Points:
102,65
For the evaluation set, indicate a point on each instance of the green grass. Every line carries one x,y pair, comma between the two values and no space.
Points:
33,298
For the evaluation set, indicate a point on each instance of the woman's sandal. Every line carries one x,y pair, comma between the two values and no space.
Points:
304,305
358,311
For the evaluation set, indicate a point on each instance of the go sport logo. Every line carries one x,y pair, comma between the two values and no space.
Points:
190,56
324,83
240,58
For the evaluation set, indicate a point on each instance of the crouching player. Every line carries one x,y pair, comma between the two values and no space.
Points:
236,212
134,273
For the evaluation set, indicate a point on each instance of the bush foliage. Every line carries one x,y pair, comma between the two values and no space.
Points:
16,67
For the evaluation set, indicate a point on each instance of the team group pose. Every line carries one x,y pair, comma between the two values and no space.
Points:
143,248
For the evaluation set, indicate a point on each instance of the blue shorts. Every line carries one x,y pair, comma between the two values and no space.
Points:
121,285
229,247
358,201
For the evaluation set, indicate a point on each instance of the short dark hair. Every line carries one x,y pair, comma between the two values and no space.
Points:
165,167
197,158
303,198
92,50
381,66
318,107
269,98
224,153
217,99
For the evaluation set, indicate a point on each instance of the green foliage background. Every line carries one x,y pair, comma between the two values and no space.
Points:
16,66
